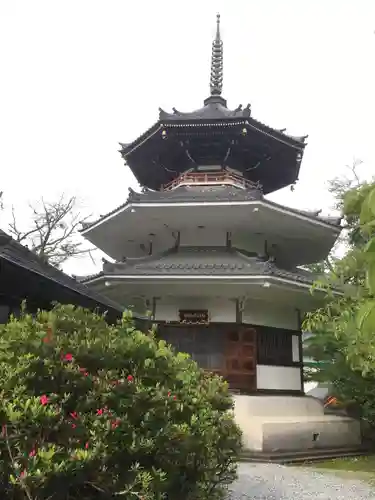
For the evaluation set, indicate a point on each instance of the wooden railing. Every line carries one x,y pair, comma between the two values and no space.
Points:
210,178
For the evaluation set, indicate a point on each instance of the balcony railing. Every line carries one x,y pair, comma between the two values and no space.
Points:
211,179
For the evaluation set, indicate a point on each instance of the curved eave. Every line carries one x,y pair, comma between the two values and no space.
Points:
287,210
251,123
254,279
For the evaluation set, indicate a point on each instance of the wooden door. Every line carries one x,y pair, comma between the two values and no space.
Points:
240,359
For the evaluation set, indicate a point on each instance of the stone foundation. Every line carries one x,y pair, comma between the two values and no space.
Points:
292,423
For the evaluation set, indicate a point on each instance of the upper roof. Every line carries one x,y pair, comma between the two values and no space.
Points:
214,134
18,255
201,261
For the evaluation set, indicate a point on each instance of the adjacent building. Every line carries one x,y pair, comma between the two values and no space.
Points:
24,276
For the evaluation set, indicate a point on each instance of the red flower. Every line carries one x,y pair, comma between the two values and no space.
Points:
130,378
169,393
175,397
23,473
32,453
74,415
99,412
74,426
87,445
115,423
68,357
43,400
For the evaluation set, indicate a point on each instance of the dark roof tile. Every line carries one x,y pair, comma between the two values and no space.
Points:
193,194
202,261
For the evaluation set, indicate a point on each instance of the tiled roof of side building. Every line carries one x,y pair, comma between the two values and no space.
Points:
204,194
18,255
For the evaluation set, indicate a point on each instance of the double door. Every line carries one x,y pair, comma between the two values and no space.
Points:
240,359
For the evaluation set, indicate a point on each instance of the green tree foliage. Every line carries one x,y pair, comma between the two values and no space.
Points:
90,411
343,329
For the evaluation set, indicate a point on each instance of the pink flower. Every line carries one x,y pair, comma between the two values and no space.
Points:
169,394
130,378
74,426
175,397
43,400
68,357
84,371
87,445
115,423
74,415
23,473
3,430
99,412
32,453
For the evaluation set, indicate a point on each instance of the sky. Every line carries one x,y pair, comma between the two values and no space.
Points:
78,77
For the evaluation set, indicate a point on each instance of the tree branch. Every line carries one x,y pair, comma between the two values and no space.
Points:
54,230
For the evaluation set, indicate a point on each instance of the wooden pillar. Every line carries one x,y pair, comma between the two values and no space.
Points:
177,237
153,307
229,240
299,322
239,309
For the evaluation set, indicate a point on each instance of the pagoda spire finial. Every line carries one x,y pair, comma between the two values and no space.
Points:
216,80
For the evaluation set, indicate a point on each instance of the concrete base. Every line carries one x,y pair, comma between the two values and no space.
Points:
292,423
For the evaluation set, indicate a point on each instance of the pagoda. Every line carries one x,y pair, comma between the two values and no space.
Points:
218,265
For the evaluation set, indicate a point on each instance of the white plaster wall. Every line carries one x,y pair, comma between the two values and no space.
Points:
258,312
279,377
219,310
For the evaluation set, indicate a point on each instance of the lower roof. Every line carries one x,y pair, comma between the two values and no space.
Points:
200,261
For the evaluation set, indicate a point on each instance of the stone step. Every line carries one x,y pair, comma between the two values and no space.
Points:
291,457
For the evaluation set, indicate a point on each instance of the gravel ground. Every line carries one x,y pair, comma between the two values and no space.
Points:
277,482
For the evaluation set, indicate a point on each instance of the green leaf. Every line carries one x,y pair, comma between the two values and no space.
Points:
371,201
370,277
370,249
365,313
366,214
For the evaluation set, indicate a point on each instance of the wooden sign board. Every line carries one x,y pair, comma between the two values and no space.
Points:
193,315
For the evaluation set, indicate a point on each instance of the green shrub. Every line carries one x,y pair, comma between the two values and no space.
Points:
89,410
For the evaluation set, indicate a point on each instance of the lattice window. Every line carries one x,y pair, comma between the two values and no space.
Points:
275,347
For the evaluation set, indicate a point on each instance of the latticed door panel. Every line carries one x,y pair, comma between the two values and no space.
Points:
240,359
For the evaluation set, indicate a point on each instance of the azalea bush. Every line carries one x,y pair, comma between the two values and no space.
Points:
89,410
